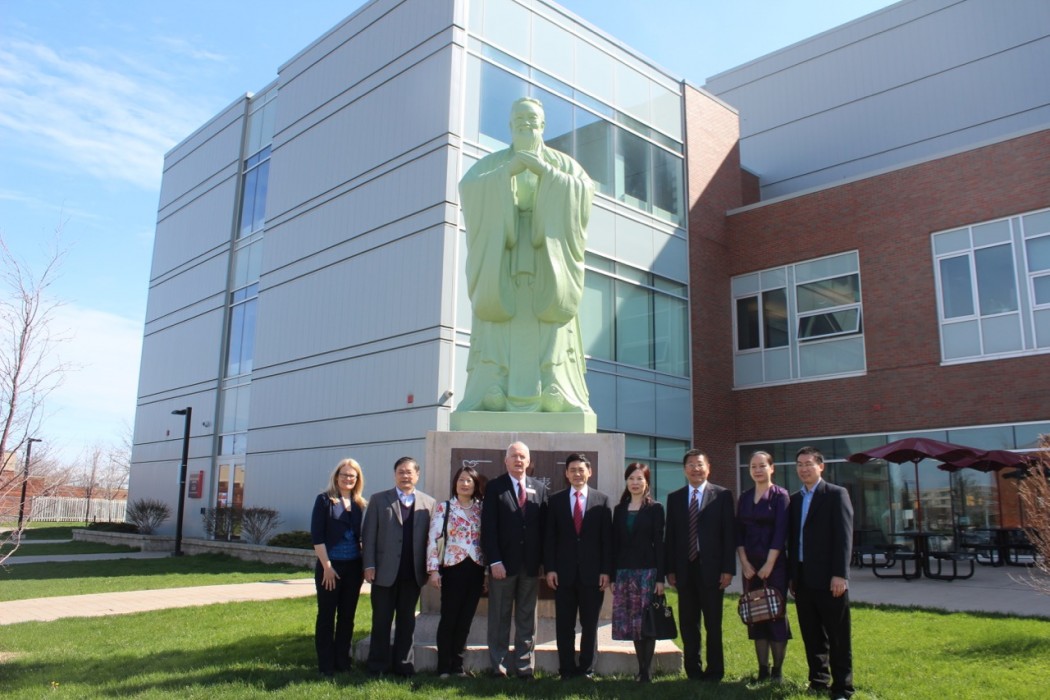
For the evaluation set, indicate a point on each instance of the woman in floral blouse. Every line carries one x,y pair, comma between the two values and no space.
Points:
460,573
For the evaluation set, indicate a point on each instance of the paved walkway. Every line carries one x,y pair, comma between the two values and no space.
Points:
994,590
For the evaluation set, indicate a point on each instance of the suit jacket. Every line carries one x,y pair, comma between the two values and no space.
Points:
582,557
381,536
717,534
827,537
330,521
641,547
510,534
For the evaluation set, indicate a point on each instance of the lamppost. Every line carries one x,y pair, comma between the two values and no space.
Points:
25,480
188,412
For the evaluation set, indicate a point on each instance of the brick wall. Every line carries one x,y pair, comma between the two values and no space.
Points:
888,218
715,184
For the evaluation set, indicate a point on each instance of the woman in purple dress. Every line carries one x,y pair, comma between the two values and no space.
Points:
762,528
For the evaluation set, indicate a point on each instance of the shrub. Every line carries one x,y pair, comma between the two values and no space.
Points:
222,522
147,513
258,523
296,539
129,528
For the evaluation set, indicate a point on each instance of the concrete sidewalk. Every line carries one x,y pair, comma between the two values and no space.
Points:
991,590
100,604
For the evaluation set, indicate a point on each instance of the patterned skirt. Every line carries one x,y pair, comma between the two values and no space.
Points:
631,596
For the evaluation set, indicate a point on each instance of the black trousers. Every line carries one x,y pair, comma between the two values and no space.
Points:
824,622
697,602
571,600
388,602
460,592
334,629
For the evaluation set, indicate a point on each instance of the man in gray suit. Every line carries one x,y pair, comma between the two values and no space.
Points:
394,542
512,520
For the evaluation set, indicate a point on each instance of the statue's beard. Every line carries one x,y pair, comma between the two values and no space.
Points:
530,141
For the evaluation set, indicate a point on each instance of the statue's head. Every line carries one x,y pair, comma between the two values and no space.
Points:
526,124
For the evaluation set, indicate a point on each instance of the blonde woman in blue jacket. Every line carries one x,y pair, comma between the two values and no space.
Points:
335,530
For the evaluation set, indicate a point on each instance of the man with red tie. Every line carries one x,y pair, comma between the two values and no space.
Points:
700,553
578,559
512,519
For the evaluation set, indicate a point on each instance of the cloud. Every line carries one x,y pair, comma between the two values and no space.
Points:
96,399
108,114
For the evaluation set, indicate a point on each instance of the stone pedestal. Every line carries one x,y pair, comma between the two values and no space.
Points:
446,452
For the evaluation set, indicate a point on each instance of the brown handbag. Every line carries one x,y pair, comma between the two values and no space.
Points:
761,605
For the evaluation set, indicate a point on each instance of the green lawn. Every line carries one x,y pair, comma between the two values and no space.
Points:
246,650
21,581
47,531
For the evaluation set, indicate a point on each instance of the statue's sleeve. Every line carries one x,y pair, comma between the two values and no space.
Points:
559,233
488,212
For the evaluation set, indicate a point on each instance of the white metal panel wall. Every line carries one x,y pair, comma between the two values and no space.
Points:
913,81
405,113
189,167
198,288
372,45
182,355
367,213
290,482
382,293
357,257
202,225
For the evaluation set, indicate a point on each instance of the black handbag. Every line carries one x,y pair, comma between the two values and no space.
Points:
658,620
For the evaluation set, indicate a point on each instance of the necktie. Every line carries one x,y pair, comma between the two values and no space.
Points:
521,494
577,513
694,528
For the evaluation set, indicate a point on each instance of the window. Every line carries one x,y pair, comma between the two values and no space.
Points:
253,200
803,321
627,159
993,288
634,317
664,457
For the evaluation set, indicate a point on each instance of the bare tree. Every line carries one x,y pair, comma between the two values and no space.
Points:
1034,489
29,367
103,473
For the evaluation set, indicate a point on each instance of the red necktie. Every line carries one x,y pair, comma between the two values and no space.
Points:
577,512
521,495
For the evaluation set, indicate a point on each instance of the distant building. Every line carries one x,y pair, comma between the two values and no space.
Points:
837,244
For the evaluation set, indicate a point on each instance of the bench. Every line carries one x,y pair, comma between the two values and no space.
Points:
954,558
894,554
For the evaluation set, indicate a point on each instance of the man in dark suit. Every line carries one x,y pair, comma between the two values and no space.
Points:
512,519
577,556
700,554
820,540
394,543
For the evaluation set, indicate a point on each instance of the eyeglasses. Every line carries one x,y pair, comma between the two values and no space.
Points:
347,475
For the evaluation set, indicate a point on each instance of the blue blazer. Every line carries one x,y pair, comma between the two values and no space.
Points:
330,521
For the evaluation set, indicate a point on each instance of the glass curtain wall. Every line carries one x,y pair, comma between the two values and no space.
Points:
242,299
890,498
624,126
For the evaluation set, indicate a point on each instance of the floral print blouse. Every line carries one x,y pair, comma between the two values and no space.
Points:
464,534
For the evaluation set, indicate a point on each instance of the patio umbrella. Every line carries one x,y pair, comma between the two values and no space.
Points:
914,450
988,461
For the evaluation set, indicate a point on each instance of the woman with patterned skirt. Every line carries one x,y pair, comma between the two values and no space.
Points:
638,571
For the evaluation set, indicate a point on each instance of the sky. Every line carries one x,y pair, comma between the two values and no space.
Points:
93,93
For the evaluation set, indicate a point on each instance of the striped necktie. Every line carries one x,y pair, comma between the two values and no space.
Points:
694,528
